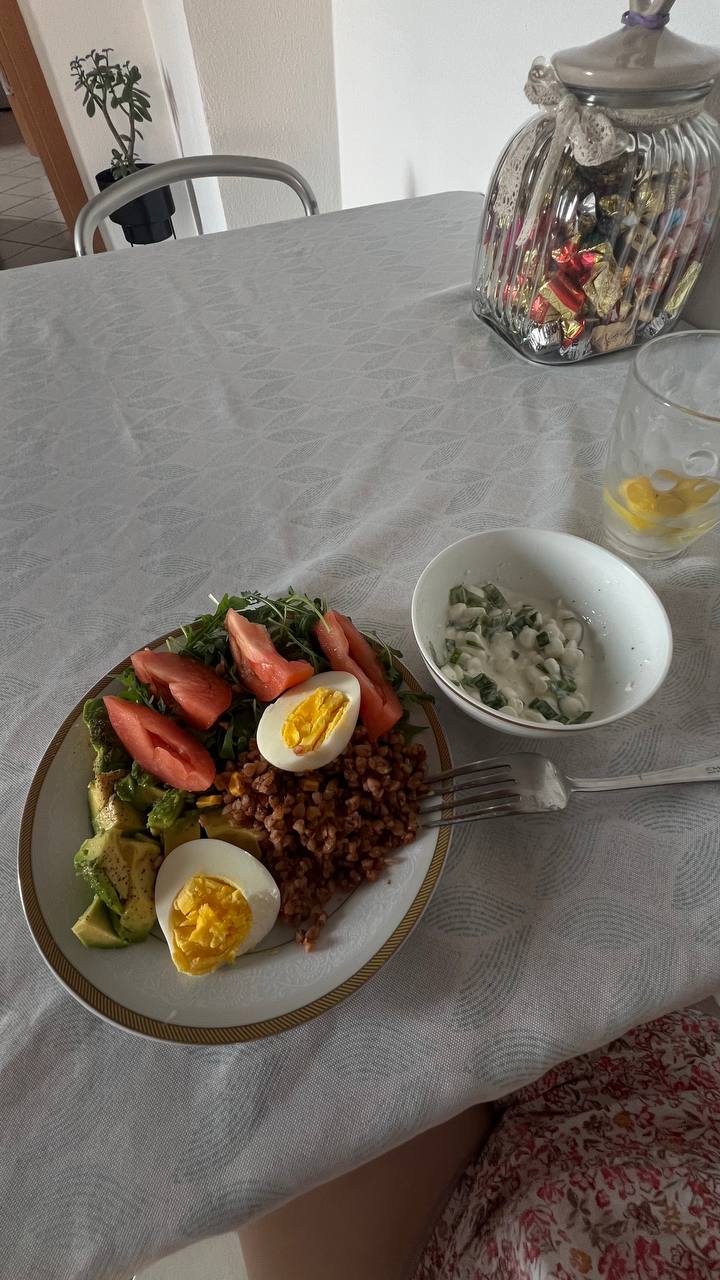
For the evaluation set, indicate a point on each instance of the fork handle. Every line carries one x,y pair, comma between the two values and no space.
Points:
706,771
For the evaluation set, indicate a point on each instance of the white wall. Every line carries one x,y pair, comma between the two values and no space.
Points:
171,40
266,76
428,91
61,28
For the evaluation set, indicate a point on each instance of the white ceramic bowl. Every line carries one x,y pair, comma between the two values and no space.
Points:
630,626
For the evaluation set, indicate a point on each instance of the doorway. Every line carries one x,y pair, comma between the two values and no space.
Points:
32,228
41,192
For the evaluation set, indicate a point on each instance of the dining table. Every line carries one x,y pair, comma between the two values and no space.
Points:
312,403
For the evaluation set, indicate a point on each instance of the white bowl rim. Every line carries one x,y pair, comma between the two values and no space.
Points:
549,726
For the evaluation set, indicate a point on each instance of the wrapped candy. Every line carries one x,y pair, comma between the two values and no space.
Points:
546,337
648,200
605,287
683,289
614,337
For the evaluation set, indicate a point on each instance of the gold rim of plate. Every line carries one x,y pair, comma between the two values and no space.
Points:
153,1028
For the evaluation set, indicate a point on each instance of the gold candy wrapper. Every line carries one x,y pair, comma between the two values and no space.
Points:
648,201
610,206
571,330
684,288
605,287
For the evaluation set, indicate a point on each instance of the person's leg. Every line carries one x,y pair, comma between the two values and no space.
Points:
371,1224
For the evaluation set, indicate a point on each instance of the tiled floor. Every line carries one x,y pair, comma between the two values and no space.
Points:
32,228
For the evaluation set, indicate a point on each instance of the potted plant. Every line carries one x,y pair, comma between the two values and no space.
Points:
114,87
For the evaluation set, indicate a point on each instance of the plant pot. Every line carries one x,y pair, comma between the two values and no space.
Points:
145,220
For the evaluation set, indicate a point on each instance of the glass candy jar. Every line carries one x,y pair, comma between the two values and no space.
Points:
601,211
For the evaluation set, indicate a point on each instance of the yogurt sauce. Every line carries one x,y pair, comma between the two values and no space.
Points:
528,658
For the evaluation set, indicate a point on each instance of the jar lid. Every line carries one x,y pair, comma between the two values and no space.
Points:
642,58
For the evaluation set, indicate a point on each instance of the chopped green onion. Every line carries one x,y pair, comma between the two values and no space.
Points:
566,683
491,626
542,639
525,618
585,715
476,599
494,597
458,595
487,689
547,711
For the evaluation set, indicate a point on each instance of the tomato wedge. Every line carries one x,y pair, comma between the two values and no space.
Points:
259,665
160,746
198,693
347,650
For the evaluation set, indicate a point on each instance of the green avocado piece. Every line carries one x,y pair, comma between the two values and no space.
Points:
186,827
118,813
102,863
138,914
121,870
94,927
166,811
100,790
217,824
140,788
109,752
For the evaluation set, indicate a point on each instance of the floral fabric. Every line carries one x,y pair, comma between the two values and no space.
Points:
608,1168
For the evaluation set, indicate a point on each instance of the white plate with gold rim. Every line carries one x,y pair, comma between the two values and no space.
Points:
272,989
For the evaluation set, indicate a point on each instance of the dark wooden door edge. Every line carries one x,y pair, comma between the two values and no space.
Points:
27,81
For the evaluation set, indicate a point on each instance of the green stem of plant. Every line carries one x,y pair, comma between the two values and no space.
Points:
102,106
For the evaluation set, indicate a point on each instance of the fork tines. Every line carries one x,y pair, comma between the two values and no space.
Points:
492,792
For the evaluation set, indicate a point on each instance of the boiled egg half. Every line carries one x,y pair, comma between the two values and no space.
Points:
213,901
308,726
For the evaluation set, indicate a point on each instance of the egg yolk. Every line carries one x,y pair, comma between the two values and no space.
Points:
209,920
312,721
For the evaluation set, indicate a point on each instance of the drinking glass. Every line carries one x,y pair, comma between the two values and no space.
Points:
662,481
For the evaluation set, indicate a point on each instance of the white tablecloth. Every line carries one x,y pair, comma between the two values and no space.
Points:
312,403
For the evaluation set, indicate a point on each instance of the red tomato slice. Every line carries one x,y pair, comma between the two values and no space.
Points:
347,650
160,746
198,693
259,665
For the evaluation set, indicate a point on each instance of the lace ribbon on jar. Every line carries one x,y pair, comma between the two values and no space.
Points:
592,135
595,136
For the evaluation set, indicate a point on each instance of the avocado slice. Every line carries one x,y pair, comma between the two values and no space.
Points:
138,914
94,927
121,870
100,790
186,827
102,863
167,810
119,814
140,788
109,751
217,824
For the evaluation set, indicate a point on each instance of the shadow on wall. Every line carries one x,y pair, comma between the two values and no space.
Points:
410,182
703,308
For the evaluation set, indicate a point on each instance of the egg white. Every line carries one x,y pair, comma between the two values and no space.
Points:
225,861
269,731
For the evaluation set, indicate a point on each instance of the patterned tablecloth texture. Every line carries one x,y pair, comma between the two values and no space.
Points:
313,403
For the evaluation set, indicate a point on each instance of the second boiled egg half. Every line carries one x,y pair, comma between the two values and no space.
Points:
308,726
214,902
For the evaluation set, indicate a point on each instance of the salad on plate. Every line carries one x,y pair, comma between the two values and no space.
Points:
254,767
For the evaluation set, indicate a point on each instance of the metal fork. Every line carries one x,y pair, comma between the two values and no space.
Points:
528,783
